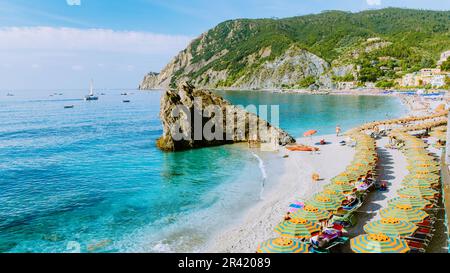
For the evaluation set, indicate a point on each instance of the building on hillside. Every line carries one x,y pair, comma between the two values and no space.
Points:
438,80
427,76
346,85
444,56
409,80
426,72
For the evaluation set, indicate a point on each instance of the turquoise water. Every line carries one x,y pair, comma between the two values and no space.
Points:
91,179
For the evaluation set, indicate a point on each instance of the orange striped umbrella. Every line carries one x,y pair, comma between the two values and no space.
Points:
310,133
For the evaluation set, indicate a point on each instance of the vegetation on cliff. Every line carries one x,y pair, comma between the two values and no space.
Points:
380,44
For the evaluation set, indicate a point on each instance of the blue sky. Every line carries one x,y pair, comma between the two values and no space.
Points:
64,43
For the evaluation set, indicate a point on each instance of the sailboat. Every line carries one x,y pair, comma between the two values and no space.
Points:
91,95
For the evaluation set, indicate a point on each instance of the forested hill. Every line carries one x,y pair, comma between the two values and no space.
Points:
320,49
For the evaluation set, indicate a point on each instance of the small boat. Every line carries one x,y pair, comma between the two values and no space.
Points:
91,95
69,107
124,94
10,95
126,101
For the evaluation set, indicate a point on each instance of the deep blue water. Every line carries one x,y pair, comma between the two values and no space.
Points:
92,177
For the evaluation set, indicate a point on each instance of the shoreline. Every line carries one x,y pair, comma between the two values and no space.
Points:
257,223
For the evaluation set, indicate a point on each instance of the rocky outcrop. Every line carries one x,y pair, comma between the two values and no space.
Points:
150,81
187,113
285,70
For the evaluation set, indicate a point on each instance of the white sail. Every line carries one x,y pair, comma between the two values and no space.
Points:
91,89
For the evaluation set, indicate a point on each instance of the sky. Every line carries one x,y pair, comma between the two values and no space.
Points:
62,44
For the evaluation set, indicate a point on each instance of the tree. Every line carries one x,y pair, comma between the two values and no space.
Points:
446,65
307,82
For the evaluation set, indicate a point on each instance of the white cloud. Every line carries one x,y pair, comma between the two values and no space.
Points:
103,40
373,2
73,2
77,67
70,57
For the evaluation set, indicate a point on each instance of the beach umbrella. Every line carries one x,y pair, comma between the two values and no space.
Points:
298,228
334,194
322,201
429,181
378,243
423,164
283,245
404,212
429,176
341,187
392,227
419,184
310,133
312,214
413,201
424,170
344,177
426,193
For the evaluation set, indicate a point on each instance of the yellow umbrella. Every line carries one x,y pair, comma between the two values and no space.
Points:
392,227
298,228
404,212
312,214
378,243
283,245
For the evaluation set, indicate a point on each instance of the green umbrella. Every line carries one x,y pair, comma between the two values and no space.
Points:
392,227
298,228
427,181
325,202
312,214
378,243
424,170
345,187
424,164
413,201
426,193
283,245
430,176
339,196
404,212
341,178
419,184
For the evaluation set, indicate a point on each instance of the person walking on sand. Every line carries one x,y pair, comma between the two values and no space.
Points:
338,130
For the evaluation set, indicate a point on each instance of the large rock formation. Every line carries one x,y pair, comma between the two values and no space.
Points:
150,81
183,113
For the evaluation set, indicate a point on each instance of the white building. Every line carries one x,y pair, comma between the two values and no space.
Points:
444,56
438,80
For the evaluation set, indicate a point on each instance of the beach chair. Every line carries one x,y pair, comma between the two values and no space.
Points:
326,250
346,220
416,247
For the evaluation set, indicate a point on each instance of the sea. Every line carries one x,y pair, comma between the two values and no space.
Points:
90,178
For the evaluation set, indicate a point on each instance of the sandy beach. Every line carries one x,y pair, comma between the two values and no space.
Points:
257,225
296,184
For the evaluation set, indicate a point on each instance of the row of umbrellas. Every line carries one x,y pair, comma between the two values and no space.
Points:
404,212
308,220
397,221
441,116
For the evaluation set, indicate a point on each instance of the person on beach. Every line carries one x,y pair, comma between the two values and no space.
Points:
287,216
338,130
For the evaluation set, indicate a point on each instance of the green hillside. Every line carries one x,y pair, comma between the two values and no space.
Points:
409,40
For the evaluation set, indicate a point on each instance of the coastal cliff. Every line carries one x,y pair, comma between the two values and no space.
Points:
196,101
312,51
